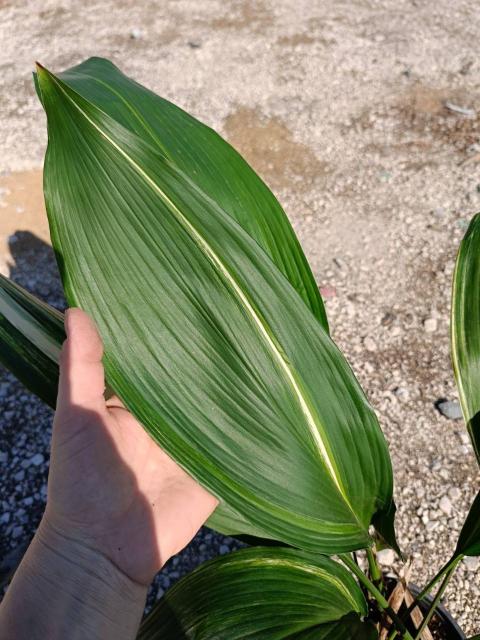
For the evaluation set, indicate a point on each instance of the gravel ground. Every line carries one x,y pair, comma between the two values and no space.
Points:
362,116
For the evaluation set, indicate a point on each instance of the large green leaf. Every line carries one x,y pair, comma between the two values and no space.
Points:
465,338
465,329
205,340
207,159
261,593
31,336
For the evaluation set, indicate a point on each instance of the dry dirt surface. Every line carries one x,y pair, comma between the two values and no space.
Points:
364,118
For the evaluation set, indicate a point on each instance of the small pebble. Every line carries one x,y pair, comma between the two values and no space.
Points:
430,325
223,549
386,557
444,473
471,563
327,291
17,532
454,493
450,409
37,460
136,34
445,505
402,393
369,344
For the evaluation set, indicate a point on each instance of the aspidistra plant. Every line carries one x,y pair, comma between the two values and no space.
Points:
216,339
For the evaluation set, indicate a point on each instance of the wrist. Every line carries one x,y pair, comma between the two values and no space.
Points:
71,551
79,592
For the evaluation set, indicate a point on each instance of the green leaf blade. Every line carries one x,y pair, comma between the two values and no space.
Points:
222,364
261,593
469,540
465,329
31,336
350,627
210,161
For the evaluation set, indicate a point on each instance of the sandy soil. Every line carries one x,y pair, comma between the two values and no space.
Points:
341,107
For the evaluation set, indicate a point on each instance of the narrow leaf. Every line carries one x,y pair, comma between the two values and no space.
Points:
469,540
465,329
205,340
219,171
31,336
261,593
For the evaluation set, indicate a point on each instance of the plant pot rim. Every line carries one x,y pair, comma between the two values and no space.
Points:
453,630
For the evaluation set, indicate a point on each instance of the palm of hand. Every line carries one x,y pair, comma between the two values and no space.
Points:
110,484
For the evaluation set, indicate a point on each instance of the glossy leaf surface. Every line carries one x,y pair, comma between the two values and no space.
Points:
206,342
465,329
208,160
469,540
261,593
31,337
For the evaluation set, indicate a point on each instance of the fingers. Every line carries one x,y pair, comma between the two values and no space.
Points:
82,379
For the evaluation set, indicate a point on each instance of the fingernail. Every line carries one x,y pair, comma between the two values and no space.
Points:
66,321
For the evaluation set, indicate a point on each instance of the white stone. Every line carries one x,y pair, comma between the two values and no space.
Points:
430,325
445,505
386,557
402,393
471,564
454,493
450,409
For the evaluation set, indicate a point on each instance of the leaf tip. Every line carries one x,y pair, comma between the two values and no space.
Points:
43,79
42,72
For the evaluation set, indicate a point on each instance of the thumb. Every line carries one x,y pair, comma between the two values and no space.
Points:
82,379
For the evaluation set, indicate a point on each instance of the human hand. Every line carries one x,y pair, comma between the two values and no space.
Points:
110,485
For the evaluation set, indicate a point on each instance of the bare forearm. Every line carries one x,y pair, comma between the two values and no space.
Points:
63,589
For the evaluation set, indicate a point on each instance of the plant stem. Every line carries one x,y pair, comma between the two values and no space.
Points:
436,600
436,578
379,597
362,586
393,634
375,572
